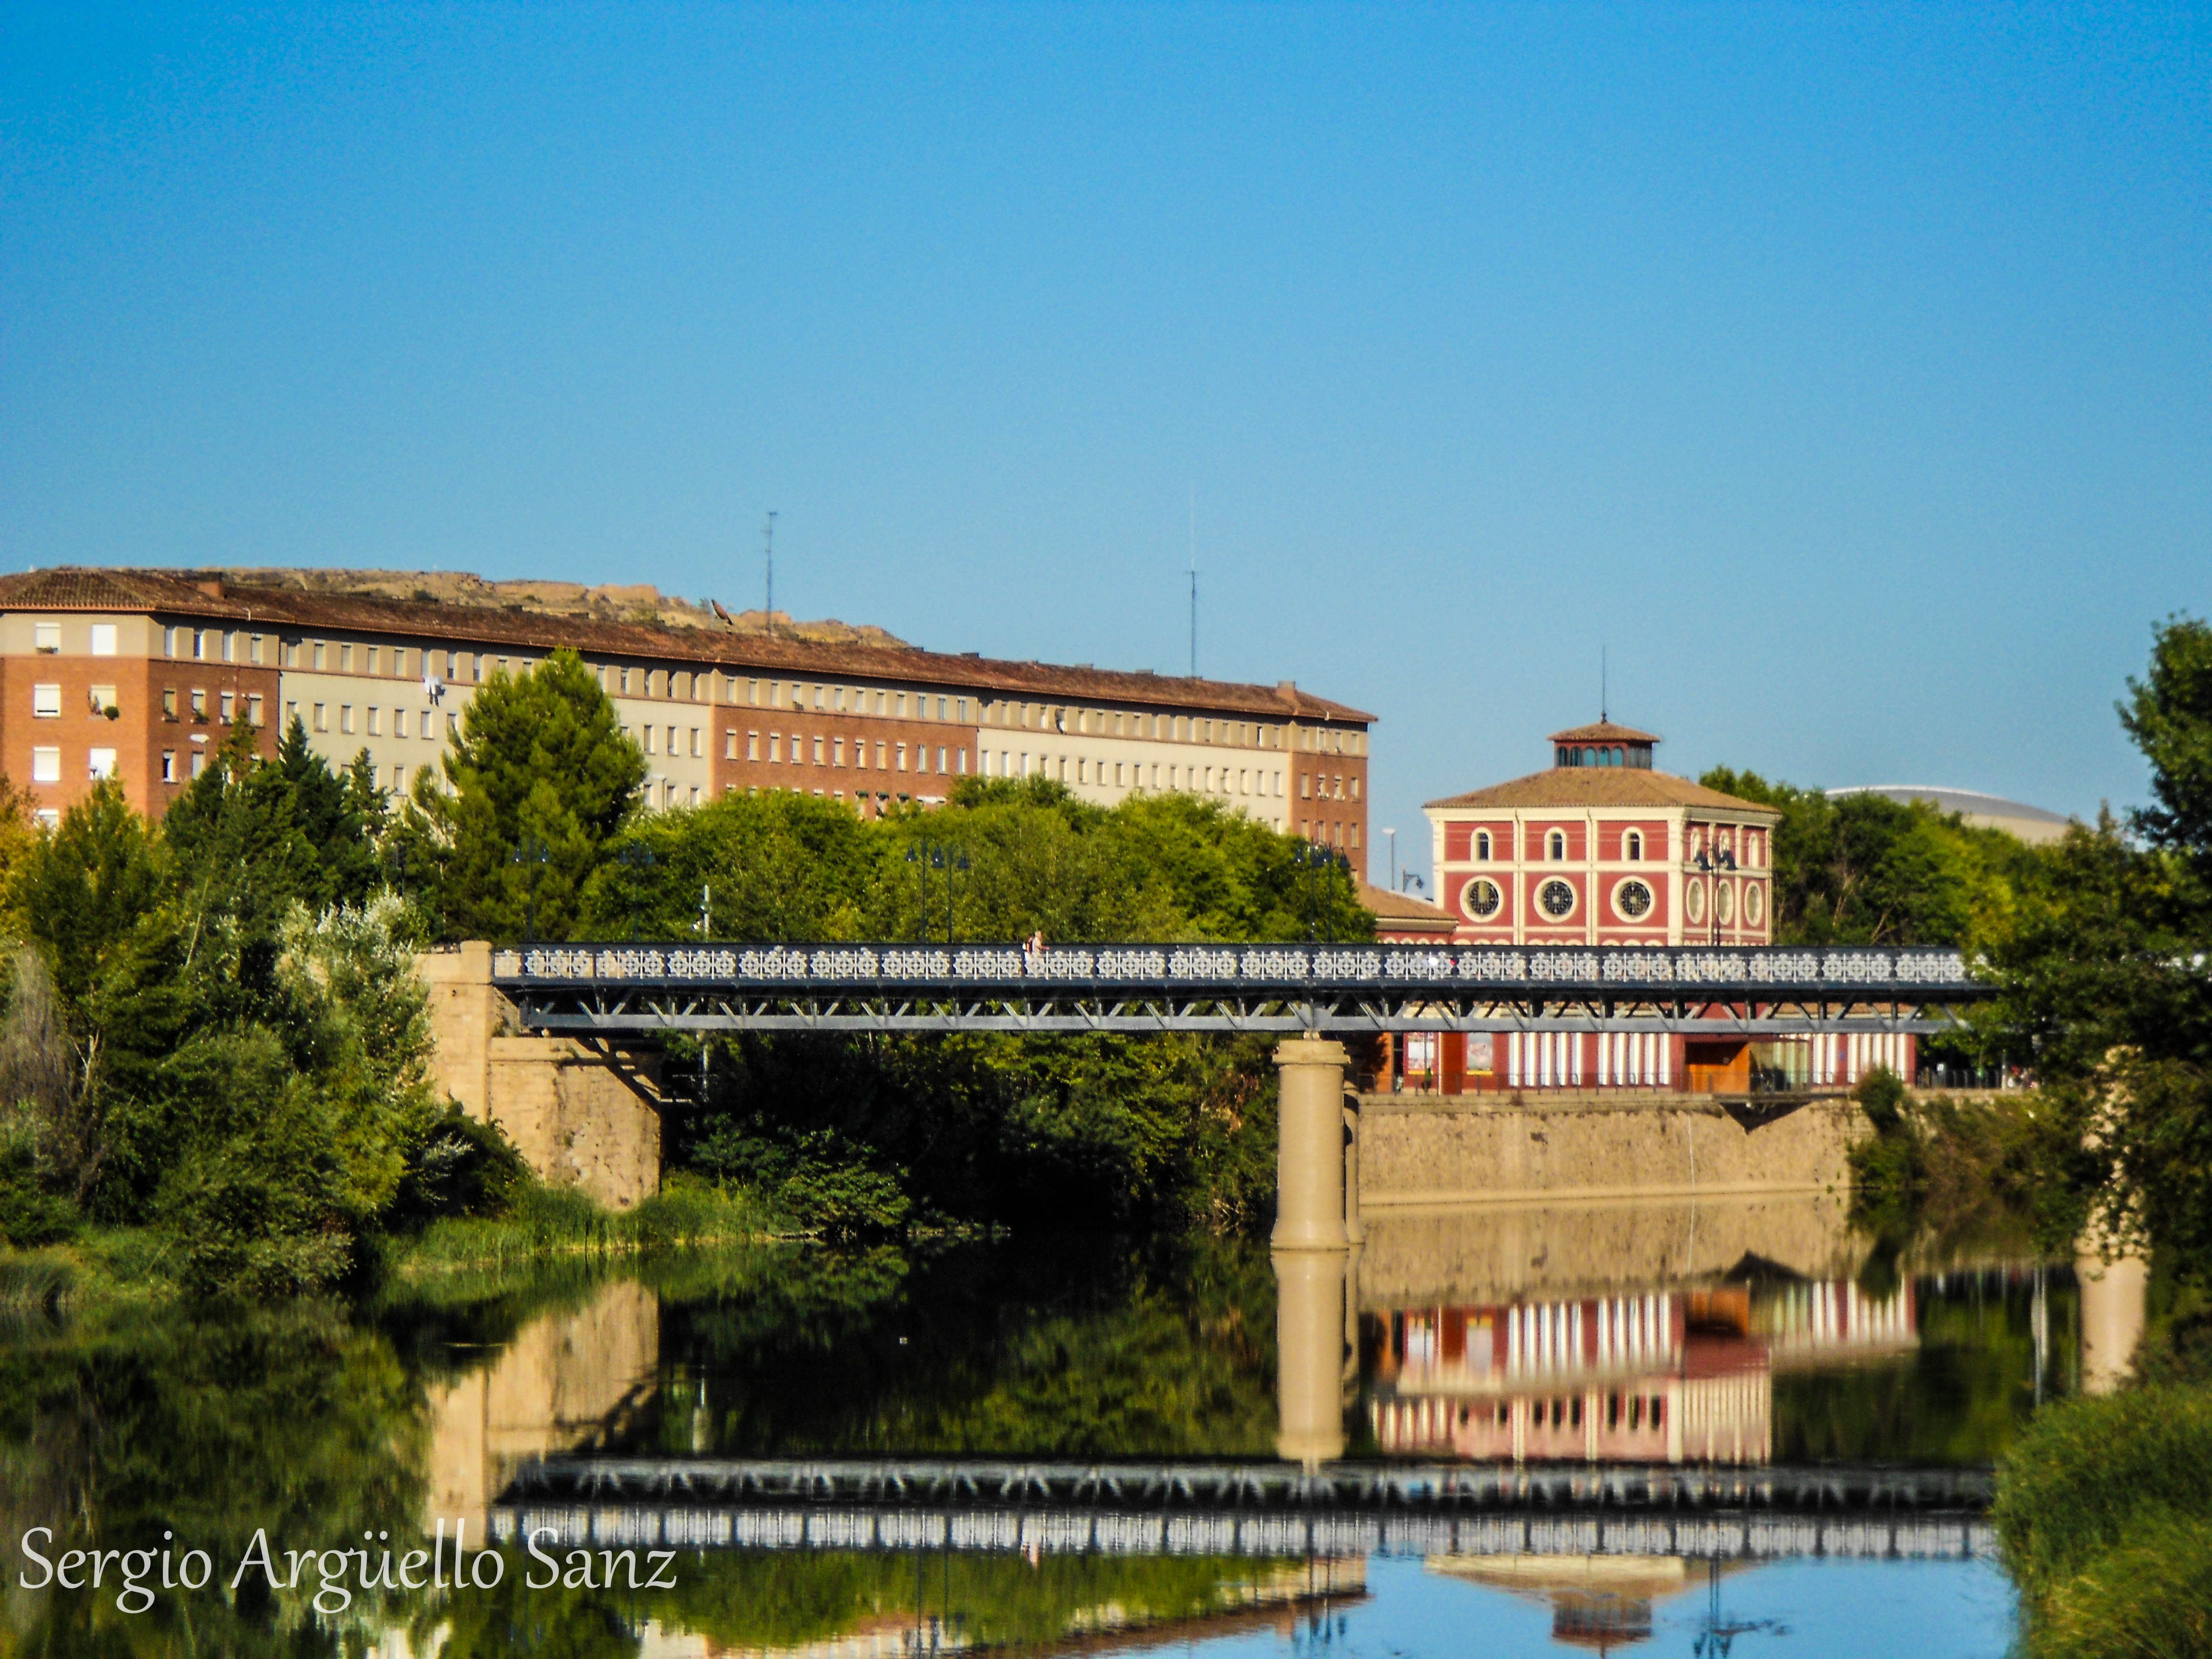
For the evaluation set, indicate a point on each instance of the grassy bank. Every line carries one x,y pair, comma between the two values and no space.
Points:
136,1265
550,1222
2104,1508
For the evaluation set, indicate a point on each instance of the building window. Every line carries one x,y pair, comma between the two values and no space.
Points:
375,721
322,715
775,748
1556,899
1482,844
46,639
345,658
199,762
46,702
818,751
291,654
45,765
253,653
695,743
345,717
322,656
169,702
103,764
254,707
1633,847
103,639
901,752
453,725
672,744
228,706
168,766
1633,899
837,754
649,732
199,707
1556,845
1481,899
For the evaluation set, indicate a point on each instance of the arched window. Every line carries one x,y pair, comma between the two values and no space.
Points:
1559,845
1482,843
1634,846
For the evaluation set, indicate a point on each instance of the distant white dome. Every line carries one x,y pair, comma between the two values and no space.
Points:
1983,811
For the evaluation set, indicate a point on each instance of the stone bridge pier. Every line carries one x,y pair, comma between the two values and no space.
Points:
584,1116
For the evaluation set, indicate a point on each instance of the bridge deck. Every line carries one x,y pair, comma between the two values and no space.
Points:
1251,1508
633,989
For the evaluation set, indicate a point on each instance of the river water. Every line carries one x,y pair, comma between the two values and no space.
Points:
1654,1429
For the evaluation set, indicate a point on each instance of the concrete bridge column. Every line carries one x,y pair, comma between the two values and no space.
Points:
1315,1168
2115,1300
1310,1158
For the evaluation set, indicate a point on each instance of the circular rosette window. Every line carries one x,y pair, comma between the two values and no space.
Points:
1633,899
1481,898
1556,898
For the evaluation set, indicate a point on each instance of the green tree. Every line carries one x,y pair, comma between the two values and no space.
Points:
541,780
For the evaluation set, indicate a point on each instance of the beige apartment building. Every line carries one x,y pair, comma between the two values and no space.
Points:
137,674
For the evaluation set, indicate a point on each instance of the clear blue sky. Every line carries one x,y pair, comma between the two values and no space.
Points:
1843,371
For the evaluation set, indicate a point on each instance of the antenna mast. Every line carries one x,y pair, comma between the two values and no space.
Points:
1194,582
1601,686
768,543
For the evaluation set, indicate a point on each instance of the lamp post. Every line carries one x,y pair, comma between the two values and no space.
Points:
1313,860
1720,861
1392,834
635,858
536,854
936,855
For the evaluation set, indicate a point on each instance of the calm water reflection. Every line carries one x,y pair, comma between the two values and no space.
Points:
1744,1334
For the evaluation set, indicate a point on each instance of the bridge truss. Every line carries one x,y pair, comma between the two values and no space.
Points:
634,990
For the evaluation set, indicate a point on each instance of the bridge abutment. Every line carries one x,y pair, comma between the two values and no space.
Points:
581,1116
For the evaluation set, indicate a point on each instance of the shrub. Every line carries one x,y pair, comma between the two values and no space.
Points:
2090,1476
461,1166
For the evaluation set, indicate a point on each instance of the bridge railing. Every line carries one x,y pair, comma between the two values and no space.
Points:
1750,971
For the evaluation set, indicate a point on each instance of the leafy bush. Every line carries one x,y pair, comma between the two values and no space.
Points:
459,1166
30,1213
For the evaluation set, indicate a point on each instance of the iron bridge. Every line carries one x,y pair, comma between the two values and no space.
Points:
1249,1508
633,990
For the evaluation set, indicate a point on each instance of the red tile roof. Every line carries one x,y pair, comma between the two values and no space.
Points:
1578,787
1603,731
181,593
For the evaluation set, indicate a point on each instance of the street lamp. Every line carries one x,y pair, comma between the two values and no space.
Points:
936,855
536,854
1392,834
1724,859
1313,860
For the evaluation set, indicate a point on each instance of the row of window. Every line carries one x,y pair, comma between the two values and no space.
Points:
1632,846
46,639
830,751
1323,833
405,722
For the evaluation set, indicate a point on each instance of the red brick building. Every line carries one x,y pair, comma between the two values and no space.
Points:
138,674
1601,849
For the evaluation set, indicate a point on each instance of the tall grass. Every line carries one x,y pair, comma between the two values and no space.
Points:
2105,1508
558,1221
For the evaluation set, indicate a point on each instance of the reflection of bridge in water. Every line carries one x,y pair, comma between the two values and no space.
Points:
1273,1509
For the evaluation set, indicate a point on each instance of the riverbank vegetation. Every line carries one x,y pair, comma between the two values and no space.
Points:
212,1028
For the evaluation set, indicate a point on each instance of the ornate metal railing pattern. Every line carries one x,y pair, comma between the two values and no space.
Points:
1251,1509
615,988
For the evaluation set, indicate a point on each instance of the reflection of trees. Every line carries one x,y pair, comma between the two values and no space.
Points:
289,1418
772,1600
1094,1349
1958,1397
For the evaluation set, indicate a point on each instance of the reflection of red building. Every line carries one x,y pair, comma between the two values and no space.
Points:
1664,1376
